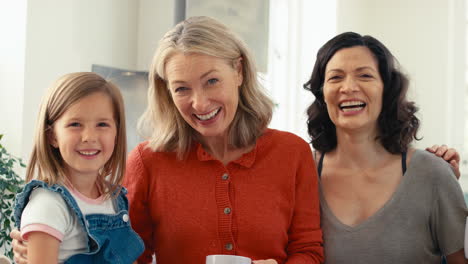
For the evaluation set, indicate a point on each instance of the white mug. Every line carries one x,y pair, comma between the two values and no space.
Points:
466,238
227,259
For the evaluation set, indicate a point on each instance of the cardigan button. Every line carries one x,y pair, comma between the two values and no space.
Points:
228,246
225,176
227,210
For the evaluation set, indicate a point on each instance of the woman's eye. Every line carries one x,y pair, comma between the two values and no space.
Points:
180,89
366,76
212,81
334,78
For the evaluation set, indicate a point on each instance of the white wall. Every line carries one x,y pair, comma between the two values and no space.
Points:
249,19
42,40
68,35
155,18
12,50
428,39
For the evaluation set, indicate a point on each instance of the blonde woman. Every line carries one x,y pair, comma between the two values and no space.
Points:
212,178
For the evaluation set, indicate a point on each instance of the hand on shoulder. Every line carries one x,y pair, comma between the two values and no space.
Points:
450,155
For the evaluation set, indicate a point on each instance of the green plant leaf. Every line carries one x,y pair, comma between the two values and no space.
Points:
6,224
10,184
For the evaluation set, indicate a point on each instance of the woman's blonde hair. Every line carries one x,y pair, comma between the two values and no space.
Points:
163,124
46,163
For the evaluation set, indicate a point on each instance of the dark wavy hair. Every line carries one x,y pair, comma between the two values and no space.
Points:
397,122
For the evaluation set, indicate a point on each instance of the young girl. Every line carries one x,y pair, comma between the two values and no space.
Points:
73,210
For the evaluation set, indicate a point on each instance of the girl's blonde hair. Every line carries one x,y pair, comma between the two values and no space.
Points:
163,124
46,163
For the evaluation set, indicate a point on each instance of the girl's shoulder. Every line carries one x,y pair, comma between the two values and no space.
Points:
46,196
43,206
41,191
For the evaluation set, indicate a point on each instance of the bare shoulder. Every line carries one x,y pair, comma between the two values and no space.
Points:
317,155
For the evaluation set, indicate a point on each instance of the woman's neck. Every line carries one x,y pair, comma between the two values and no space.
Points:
220,149
360,150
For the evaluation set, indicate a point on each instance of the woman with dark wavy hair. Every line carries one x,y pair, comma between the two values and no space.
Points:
382,201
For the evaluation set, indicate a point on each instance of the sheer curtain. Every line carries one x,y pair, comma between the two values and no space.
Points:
297,30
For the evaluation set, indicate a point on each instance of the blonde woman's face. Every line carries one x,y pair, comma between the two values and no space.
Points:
205,90
85,135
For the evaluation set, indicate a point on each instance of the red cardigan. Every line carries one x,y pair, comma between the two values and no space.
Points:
263,205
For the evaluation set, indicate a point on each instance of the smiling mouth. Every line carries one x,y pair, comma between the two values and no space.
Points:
89,153
351,106
208,116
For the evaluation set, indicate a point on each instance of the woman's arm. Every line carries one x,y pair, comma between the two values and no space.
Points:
136,182
457,258
448,210
42,248
305,235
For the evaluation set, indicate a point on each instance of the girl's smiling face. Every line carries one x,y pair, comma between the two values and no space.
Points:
85,134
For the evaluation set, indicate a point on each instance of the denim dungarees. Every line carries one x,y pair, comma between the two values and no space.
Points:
111,238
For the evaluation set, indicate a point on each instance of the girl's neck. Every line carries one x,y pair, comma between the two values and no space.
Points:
85,185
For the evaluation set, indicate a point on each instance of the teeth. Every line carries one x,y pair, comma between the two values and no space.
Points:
353,104
352,109
88,153
209,115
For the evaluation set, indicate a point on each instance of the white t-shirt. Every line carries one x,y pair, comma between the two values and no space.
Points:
47,212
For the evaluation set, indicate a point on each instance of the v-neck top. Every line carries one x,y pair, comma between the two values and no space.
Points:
320,163
423,219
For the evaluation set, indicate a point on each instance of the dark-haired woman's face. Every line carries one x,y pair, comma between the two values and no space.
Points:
353,90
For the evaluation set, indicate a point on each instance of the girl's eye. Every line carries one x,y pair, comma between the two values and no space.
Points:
212,81
103,124
74,124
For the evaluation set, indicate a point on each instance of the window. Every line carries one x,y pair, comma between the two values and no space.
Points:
298,28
